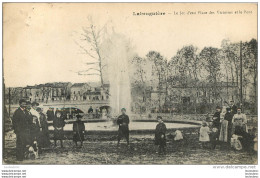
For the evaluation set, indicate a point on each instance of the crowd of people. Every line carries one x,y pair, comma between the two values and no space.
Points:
31,128
227,126
30,125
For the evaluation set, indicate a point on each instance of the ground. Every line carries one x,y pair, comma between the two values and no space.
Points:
104,150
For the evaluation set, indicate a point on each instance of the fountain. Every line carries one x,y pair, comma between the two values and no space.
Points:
117,52
118,74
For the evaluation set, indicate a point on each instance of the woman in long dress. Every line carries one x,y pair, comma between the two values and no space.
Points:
223,136
44,139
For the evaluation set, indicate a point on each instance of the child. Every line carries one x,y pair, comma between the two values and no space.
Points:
178,135
235,142
58,124
160,138
204,134
78,131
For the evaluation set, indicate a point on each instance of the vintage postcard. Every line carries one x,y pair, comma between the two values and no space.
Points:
130,83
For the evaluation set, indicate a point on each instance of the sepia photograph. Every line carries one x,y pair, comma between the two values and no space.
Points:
130,83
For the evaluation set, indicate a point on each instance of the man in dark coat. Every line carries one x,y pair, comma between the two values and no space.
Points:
160,137
123,130
233,107
228,116
90,110
21,126
214,136
50,114
78,131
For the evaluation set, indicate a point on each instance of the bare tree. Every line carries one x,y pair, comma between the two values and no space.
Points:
91,39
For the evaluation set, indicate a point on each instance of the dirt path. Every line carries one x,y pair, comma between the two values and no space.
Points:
141,151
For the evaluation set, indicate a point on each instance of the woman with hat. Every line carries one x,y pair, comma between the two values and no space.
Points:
78,131
44,139
223,133
58,124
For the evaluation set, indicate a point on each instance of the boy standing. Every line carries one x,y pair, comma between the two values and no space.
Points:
78,130
123,130
160,138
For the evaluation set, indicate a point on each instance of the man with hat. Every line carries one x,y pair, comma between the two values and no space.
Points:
123,130
78,130
233,107
21,125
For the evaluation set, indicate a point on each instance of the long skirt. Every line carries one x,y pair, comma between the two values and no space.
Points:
44,139
223,136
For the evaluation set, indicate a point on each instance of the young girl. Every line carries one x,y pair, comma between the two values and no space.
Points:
160,138
204,134
58,124
78,131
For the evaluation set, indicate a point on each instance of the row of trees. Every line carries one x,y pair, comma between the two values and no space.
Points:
191,67
188,68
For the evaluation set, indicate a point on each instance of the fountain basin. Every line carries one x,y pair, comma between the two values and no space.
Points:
104,127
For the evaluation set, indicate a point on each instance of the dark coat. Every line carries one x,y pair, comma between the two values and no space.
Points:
22,127
234,109
50,115
160,131
123,122
229,116
216,122
44,139
35,129
58,124
90,110
79,128
22,122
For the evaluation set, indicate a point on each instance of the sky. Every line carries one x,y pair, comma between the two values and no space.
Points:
39,38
